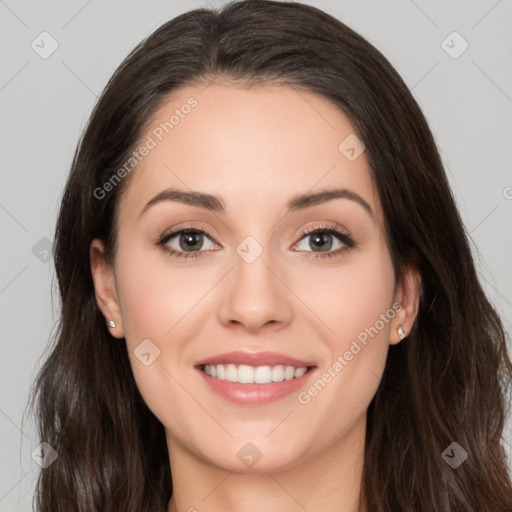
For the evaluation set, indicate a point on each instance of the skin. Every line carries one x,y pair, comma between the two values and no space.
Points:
256,148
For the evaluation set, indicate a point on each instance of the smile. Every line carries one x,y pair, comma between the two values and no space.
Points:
254,378
245,374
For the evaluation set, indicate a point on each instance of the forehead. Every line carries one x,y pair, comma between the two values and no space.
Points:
255,146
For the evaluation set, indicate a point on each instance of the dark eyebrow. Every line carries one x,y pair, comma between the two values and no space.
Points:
202,200
302,201
215,203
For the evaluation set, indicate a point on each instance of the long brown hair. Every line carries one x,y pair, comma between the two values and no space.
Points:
447,382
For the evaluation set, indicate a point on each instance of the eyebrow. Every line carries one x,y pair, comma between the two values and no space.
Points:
215,203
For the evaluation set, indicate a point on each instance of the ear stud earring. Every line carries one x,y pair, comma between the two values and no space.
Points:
111,324
401,333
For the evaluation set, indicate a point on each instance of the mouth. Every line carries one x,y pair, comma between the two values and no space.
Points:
245,374
254,378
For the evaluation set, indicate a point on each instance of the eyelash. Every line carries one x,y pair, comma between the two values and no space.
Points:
327,229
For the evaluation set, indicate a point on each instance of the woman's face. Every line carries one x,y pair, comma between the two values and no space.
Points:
254,285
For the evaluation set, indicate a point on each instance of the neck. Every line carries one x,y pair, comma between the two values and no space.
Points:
330,480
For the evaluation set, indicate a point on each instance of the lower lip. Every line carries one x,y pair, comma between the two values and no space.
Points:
255,394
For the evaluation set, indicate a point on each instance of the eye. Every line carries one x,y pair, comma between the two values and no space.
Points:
192,242
324,241
188,242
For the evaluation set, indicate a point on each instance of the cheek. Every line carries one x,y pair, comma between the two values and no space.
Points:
351,298
157,303
160,302
155,295
356,303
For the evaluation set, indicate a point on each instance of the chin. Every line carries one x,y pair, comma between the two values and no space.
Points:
254,457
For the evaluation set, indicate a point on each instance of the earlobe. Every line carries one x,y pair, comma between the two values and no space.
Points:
408,295
105,288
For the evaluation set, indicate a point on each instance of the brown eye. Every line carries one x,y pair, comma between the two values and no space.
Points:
191,241
324,241
187,243
320,241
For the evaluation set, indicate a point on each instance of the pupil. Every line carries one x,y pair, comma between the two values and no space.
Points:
324,241
189,241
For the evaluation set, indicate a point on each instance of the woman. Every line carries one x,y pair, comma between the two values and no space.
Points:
268,295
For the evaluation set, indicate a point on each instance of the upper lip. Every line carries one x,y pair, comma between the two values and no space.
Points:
255,359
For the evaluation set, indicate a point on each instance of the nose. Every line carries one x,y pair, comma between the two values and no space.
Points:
255,298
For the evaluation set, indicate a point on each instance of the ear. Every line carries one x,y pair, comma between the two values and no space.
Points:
105,288
406,302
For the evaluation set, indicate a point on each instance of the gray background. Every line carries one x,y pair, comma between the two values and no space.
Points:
45,103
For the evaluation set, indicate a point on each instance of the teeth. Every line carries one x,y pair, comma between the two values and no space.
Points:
299,372
245,374
231,374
